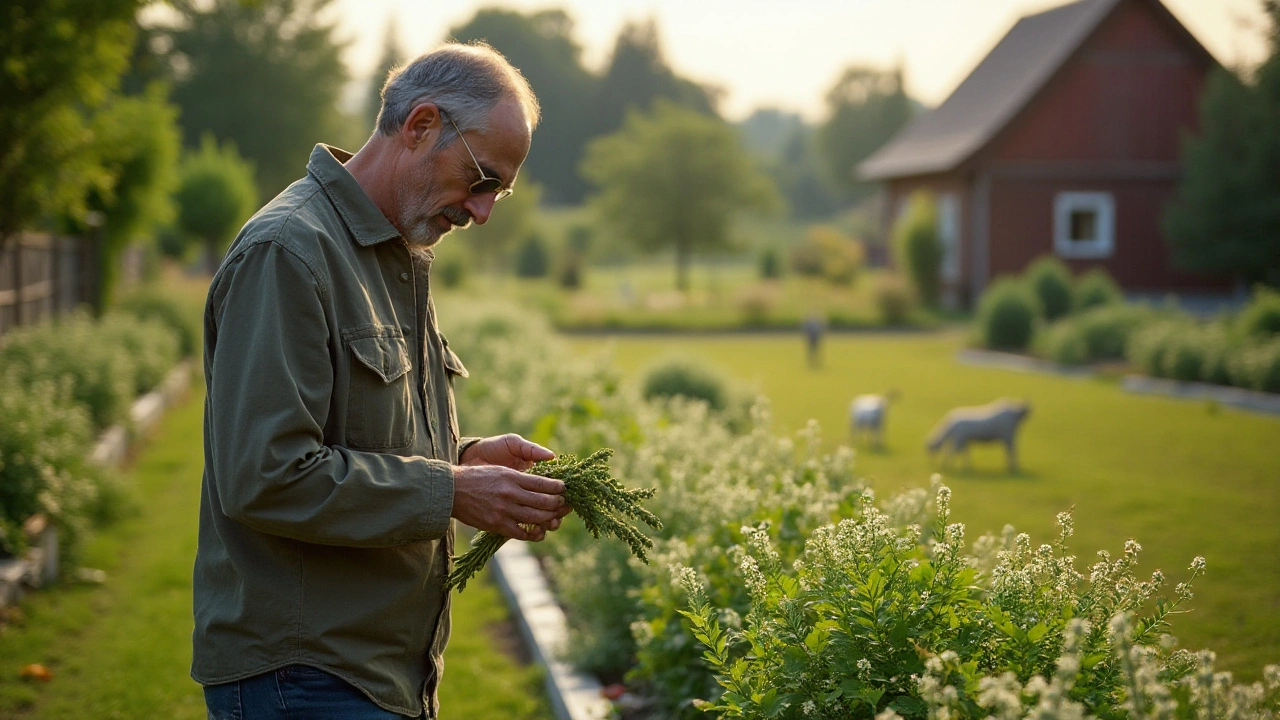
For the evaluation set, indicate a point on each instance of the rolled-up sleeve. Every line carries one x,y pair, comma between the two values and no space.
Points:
271,380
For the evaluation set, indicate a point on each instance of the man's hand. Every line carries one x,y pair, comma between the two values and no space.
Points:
508,450
490,491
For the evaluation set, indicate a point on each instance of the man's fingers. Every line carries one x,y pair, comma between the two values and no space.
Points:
539,484
541,501
525,450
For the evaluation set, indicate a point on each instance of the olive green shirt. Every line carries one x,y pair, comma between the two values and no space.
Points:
325,530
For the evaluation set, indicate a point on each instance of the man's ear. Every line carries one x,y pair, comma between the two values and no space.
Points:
422,126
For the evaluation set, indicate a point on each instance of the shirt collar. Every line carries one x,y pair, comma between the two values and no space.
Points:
365,221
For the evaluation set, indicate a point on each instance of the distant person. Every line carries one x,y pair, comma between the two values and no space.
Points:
333,466
814,326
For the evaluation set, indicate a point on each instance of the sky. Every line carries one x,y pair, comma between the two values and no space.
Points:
786,53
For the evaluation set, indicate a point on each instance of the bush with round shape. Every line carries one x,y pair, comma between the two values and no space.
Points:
1050,280
918,249
770,264
1095,289
1007,315
893,298
688,378
531,258
1149,346
1063,343
1261,317
1257,367
154,304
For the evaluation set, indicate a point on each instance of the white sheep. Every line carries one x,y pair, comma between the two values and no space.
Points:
997,421
867,416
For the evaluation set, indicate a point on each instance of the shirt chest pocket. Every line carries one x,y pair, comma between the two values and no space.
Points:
380,399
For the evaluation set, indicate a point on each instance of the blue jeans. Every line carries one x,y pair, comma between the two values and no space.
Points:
296,692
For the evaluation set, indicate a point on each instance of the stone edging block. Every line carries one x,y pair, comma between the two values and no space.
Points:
1254,400
574,695
1018,363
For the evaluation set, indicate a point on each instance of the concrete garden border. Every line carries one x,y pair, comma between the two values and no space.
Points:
1251,400
574,695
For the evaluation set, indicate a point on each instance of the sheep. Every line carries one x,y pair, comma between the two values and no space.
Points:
997,421
867,415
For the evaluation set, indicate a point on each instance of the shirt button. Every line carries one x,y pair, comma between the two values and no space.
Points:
404,277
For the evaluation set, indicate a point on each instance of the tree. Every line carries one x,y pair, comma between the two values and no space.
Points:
1226,215
865,108
638,75
215,196
541,44
917,247
62,59
674,178
137,142
392,57
265,74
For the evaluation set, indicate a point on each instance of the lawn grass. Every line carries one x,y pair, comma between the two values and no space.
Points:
725,295
1184,478
123,649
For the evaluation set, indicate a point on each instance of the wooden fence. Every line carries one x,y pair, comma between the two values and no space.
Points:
43,275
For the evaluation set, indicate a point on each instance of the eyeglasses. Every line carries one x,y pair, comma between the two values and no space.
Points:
485,184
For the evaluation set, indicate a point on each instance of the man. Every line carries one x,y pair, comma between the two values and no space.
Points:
333,466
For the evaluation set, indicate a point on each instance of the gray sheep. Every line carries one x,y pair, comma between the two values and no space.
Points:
997,421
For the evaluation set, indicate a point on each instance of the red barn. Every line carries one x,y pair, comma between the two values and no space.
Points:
1065,141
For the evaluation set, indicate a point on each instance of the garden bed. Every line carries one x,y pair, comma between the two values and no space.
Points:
38,565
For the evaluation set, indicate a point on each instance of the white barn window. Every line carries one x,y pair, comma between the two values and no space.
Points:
1084,224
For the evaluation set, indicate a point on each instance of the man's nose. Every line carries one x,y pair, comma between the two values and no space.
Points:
480,206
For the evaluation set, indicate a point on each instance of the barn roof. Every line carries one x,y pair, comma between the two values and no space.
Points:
1002,84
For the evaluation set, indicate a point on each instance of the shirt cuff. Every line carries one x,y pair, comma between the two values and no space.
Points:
439,512
465,443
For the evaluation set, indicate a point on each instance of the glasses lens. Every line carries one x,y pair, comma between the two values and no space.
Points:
486,185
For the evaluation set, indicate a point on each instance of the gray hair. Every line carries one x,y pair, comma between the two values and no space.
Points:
464,81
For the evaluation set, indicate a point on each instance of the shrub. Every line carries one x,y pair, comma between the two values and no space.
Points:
1149,346
828,254
770,264
216,194
1050,280
153,345
1007,315
531,258
1257,367
100,376
893,298
1063,343
1095,289
1261,317
153,304
45,440
1099,334
917,248
756,303
688,378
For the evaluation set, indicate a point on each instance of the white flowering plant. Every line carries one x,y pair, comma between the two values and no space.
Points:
876,620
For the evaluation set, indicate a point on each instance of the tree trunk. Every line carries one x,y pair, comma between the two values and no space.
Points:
683,257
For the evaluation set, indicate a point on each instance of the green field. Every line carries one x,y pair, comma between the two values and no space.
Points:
1183,478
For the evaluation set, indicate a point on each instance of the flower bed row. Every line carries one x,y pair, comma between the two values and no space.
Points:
781,587
63,383
1086,321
